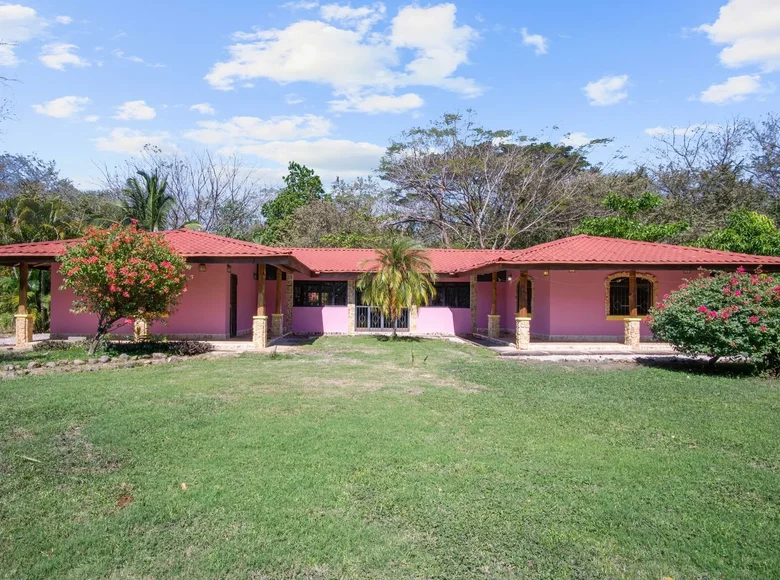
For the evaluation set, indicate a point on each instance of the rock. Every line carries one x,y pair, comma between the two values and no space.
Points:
129,365
144,357
148,362
78,362
172,359
158,355
104,359
134,357
33,365
9,374
123,356
91,361
8,367
62,363
51,365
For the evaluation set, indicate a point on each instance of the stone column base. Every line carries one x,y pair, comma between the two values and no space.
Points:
260,332
24,329
631,332
494,325
277,325
522,333
140,329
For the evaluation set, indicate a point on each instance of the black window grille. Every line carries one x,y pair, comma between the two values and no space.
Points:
502,277
319,293
619,302
452,295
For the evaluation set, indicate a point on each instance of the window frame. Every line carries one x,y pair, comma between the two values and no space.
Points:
653,280
302,288
444,285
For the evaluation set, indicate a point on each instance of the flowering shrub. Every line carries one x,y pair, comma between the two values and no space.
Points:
723,315
123,273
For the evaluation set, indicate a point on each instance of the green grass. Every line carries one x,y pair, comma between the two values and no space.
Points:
351,461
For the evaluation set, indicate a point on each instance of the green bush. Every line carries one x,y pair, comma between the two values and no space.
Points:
723,315
175,347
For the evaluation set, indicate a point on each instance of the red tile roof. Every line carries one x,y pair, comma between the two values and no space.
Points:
594,250
189,243
350,261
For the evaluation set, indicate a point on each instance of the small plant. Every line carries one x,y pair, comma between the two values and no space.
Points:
50,345
724,314
173,347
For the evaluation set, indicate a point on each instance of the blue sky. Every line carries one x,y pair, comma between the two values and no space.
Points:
329,84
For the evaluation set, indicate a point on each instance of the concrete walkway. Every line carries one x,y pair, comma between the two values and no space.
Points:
573,351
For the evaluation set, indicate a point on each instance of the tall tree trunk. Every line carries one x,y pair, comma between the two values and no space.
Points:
395,328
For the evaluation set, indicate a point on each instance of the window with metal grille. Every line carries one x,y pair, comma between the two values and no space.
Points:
529,297
502,277
319,293
452,295
619,304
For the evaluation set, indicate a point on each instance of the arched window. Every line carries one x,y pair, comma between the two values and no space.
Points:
529,296
619,295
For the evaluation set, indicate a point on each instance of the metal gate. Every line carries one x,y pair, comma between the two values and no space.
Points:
371,318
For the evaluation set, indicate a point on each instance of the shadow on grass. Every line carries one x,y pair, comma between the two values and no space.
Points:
398,339
700,367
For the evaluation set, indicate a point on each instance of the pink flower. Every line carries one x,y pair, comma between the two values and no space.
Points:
737,292
712,314
763,328
741,270
703,309
754,320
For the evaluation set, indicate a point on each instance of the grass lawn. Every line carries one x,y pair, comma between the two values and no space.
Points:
352,460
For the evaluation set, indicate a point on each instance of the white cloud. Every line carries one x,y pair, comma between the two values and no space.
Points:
733,90
362,18
64,19
18,24
293,99
608,90
239,131
135,111
302,5
538,41
688,129
92,118
130,142
576,139
377,103
203,109
751,29
351,57
58,55
136,59
62,108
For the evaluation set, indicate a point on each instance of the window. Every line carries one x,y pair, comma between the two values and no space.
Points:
452,295
272,271
489,277
320,294
529,297
618,300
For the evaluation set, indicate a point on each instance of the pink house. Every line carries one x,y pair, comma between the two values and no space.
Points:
581,288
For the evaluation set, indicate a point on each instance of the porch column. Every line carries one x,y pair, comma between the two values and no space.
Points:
288,319
260,321
23,321
351,296
473,303
413,312
522,320
140,329
631,324
494,320
277,318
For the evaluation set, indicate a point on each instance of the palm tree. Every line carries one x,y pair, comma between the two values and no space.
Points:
401,276
146,202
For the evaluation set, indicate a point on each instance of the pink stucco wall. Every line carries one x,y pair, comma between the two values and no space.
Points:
320,320
440,320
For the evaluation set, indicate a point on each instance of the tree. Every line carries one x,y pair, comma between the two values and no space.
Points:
146,202
748,232
401,276
301,187
477,188
626,224
347,219
120,274
723,315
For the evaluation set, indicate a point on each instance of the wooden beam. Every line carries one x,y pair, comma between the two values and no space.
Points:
24,276
494,305
278,309
632,294
522,293
261,289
